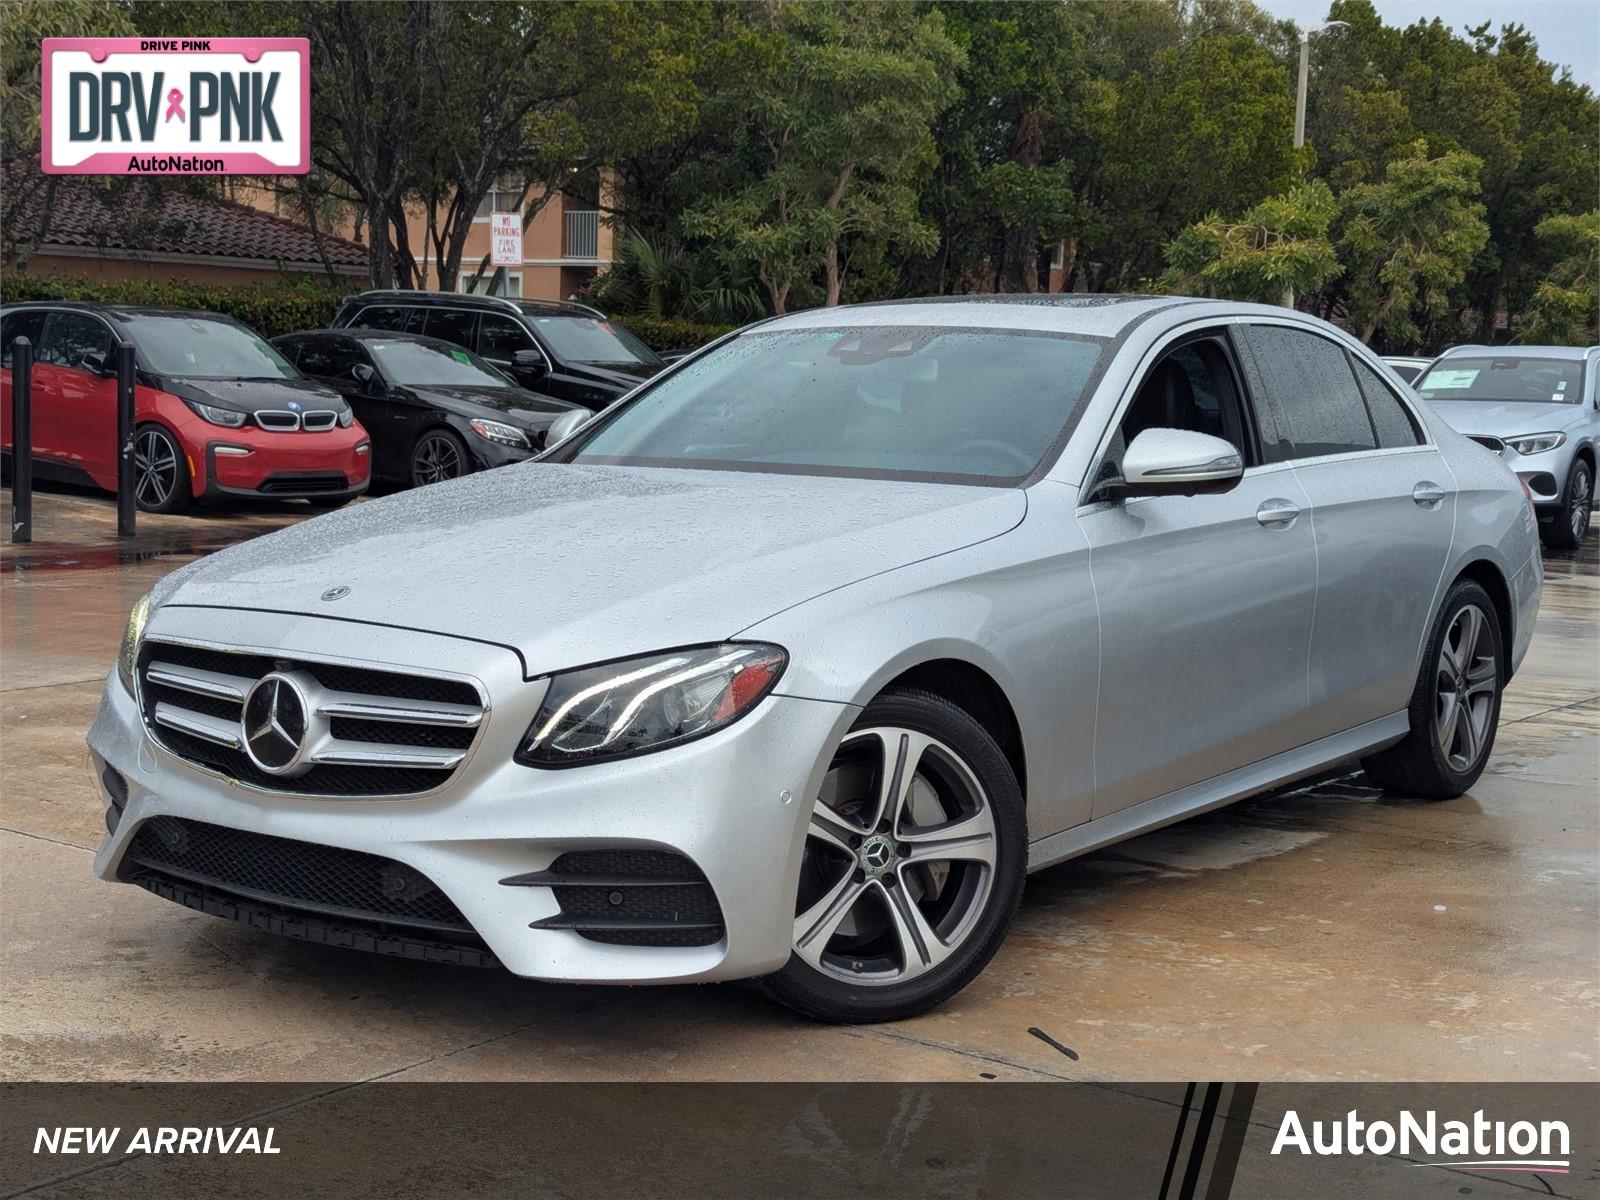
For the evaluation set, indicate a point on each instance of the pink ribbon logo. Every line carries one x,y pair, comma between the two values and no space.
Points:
175,105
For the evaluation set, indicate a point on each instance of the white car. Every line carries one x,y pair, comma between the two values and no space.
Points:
1537,407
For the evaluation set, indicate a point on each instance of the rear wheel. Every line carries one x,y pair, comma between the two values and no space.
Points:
437,456
160,471
1456,705
913,865
1568,527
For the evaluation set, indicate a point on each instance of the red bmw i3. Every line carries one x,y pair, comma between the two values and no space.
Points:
217,411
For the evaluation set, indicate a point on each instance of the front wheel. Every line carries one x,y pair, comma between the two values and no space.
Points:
437,456
1456,705
1567,528
913,865
160,471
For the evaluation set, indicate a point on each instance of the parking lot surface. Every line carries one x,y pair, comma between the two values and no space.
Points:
1325,933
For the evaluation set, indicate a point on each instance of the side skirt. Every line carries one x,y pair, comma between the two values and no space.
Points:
1213,793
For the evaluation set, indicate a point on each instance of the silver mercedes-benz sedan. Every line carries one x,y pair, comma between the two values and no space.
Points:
796,660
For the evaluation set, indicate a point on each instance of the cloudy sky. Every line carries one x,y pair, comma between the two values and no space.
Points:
1568,31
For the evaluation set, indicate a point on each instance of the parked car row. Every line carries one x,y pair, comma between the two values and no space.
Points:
411,388
408,388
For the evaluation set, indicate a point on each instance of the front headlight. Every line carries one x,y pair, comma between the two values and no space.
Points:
1536,443
498,431
346,418
217,416
132,635
623,708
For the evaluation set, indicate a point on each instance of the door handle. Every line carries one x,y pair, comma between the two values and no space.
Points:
1277,513
1427,494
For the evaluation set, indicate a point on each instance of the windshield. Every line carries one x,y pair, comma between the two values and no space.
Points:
206,348
978,406
1545,380
417,363
592,340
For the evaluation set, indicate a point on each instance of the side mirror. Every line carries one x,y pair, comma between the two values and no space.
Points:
97,362
367,375
528,360
1178,462
567,424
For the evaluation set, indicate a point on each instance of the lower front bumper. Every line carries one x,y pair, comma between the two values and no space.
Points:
734,804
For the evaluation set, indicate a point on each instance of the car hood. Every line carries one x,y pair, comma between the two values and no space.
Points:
623,375
1505,419
251,395
573,564
530,408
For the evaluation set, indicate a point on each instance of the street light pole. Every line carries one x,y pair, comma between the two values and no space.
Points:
1300,105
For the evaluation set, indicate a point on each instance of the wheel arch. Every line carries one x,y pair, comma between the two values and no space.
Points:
977,693
1488,576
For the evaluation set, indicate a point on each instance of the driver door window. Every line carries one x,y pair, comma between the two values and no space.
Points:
1191,387
500,337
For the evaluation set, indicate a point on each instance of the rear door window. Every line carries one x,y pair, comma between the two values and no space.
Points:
1305,379
452,325
28,323
1390,418
396,317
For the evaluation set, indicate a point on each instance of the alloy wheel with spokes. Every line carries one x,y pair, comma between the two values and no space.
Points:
901,854
437,457
912,864
1468,677
158,470
1455,705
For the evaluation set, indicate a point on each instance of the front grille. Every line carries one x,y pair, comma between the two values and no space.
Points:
318,420
303,485
629,898
278,420
367,732
1493,443
300,875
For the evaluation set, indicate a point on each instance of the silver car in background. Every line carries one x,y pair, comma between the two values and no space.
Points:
1537,407
795,661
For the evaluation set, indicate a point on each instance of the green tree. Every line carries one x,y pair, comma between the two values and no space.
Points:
839,130
1280,243
1000,187
1408,241
1565,309
1207,131
25,189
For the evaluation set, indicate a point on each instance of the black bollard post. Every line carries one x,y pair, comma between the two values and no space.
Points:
126,477
22,440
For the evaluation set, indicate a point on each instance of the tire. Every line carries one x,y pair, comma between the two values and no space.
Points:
1567,529
437,456
1447,748
911,913
161,481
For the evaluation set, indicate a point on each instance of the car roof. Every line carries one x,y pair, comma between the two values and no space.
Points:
374,335
1092,315
477,301
102,308
1571,352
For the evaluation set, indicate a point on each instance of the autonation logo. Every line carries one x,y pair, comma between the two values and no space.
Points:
1476,1145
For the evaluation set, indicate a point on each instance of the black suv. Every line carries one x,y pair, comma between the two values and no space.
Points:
569,351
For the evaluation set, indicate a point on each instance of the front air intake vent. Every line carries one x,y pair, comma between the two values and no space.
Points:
629,898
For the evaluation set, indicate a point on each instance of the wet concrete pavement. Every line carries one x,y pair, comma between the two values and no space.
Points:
1327,933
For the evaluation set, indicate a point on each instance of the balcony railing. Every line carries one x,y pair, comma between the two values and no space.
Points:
581,237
